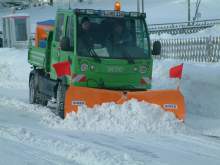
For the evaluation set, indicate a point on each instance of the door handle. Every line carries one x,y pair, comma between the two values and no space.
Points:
54,45
58,51
59,48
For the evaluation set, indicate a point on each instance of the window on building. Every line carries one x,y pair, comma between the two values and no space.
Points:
21,29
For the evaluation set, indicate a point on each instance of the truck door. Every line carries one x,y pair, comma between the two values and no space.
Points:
64,29
69,35
55,49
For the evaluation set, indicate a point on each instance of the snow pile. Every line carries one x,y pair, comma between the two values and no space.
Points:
5,72
161,79
19,105
200,86
130,117
14,69
199,83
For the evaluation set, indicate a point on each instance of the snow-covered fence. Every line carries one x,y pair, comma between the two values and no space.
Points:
182,27
198,49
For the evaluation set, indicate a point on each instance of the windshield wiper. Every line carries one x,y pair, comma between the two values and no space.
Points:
129,59
92,53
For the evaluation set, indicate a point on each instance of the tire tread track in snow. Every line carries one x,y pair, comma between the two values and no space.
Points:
29,154
81,153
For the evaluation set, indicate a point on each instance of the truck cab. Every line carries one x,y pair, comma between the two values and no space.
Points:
112,59
105,49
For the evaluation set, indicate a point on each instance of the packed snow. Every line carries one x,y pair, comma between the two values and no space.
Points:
134,133
9,75
130,117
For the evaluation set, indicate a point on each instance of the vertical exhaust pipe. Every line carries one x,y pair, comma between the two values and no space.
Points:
142,6
69,5
189,12
138,5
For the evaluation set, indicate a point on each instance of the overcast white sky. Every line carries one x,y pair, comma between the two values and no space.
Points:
158,11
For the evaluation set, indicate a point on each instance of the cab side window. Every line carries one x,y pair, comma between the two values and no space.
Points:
70,31
59,27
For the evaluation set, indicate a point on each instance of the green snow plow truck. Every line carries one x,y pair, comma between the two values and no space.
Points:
89,57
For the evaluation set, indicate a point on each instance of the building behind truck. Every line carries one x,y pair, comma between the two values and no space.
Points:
16,30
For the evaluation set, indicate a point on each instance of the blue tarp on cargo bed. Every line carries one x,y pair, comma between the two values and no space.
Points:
47,22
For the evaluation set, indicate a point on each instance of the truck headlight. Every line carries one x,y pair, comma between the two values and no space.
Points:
92,67
135,69
143,69
84,67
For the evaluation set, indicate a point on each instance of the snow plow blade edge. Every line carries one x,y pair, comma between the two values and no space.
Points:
169,100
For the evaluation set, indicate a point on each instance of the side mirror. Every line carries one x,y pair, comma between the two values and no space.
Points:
156,48
65,44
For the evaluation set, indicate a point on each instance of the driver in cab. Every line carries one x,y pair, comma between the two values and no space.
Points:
118,41
86,40
119,36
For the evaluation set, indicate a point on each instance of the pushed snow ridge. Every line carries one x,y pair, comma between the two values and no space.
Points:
130,117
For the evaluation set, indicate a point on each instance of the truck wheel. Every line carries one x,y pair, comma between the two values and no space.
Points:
32,91
43,100
61,91
34,96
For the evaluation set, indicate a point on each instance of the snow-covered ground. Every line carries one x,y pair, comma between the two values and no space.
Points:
135,133
132,133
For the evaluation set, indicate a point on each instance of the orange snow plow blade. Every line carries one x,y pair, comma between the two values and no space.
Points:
169,100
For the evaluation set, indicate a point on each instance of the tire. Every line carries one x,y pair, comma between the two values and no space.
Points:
42,100
34,95
32,91
61,91
1,43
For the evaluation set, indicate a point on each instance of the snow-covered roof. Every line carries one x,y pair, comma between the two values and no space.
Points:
46,22
17,15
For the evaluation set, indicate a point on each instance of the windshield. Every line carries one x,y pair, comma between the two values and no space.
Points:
116,38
